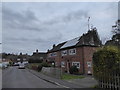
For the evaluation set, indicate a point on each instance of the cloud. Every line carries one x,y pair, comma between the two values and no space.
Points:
37,25
68,17
25,20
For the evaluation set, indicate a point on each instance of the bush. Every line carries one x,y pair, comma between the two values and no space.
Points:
106,60
39,68
73,70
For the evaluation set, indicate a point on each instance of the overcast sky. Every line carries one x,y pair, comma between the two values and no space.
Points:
30,26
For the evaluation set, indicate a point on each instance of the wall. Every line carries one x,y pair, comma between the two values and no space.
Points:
88,54
83,55
53,72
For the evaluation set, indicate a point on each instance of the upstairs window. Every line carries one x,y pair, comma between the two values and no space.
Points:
72,51
52,54
64,53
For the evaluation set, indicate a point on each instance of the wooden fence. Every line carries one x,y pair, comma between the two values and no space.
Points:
110,81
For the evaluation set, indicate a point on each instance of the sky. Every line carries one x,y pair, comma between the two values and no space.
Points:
27,26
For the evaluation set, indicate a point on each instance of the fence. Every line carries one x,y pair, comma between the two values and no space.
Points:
110,81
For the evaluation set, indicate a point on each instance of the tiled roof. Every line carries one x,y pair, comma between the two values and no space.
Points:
91,38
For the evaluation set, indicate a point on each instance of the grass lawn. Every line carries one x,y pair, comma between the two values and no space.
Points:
70,76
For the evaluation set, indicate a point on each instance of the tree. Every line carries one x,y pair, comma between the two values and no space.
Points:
116,27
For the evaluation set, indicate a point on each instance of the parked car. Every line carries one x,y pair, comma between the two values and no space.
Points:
21,66
15,64
3,65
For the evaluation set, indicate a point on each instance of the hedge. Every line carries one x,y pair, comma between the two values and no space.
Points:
106,60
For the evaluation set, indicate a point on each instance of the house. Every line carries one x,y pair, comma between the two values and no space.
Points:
78,52
115,41
38,56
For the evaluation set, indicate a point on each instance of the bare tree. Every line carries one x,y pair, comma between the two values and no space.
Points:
116,27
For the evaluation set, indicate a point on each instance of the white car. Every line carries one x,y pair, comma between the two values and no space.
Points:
21,66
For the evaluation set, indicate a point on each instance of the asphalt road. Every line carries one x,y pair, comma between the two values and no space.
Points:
22,78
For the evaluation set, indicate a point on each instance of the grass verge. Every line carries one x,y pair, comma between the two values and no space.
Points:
70,76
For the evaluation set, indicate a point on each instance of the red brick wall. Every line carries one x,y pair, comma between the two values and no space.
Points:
83,55
88,54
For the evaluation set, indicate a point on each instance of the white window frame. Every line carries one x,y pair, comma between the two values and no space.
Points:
71,51
62,63
53,54
89,64
64,53
73,63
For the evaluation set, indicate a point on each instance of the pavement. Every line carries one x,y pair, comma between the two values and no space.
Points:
58,82
86,82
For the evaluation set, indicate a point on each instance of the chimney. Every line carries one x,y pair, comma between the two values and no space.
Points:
53,45
48,50
37,51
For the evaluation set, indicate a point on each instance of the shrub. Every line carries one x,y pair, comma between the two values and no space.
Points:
45,64
106,60
73,70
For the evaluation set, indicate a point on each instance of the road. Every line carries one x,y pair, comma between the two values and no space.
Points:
22,78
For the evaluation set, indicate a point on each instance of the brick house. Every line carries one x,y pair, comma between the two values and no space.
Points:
78,52
38,57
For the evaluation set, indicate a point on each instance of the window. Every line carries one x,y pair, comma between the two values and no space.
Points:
89,64
24,59
77,64
62,64
53,54
41,57
63,53
72,51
